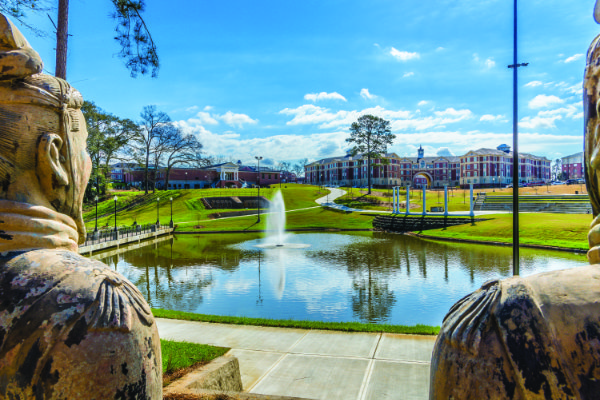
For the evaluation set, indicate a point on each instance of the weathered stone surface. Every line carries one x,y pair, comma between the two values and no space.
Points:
536,337
70,328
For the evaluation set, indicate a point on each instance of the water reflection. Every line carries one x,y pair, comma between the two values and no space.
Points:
368,277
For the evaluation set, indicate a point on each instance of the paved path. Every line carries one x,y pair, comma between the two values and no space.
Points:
317,364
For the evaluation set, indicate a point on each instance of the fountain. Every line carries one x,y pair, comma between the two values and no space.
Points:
276,236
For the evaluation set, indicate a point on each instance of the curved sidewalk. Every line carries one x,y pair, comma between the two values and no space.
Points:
316,364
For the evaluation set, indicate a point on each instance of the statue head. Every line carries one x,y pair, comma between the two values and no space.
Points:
43,156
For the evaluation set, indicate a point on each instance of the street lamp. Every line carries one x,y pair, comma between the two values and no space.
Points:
115,199
171,223
184,186
157,219
96,227
258,158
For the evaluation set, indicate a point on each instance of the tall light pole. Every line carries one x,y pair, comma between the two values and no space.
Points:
157,218
115,199
258,158
184,186
96,227
515,65
171,223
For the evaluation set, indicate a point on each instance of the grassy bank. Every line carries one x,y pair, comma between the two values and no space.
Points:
558,230
314,218
187,205
279,323
179,357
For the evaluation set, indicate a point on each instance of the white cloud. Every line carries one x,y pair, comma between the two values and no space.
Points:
444,152
314,146
364,93
233,119
543,101
404,55
451,112
539,122
408,74
422,103
205,118
574,58
534,84
191,109
208,108
324,96
440,49
492,118
488,63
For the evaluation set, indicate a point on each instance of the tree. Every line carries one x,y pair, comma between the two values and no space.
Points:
557,168
178,149
137,47
298,168
370,136
147,141
107,135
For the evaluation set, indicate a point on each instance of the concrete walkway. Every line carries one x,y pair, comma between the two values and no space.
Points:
315,364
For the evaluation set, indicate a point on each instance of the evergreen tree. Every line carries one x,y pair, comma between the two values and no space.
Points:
370,137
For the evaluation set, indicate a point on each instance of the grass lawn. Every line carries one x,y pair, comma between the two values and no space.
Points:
179,356
279,323
318,217
548,229
188,209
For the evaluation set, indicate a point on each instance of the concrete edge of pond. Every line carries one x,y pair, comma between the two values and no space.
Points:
287,230
491,243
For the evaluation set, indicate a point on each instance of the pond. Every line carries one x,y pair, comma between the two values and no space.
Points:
366,276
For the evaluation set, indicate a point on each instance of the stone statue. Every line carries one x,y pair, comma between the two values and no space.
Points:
70,328
536,337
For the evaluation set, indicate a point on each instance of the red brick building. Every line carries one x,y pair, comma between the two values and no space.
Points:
214,176
483,167
572,166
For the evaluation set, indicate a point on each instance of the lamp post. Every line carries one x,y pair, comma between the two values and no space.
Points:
184,186
116,232
96,227
258,158
171,223
157,219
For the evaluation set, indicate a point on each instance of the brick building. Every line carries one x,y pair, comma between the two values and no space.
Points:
215,176
572,166
483,167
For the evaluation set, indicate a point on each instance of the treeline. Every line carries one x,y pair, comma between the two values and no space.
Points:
153,142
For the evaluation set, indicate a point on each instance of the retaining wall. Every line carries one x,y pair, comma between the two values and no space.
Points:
403,223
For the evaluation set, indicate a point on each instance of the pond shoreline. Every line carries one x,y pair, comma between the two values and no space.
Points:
493,243
287,230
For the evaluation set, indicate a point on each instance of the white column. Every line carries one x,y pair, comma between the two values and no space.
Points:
407,199
424,200
394,202
471,199
445,200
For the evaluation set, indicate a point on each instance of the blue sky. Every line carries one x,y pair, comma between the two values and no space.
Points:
285,79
